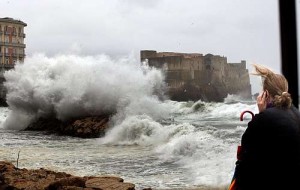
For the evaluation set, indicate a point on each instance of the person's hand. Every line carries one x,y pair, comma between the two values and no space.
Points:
262,101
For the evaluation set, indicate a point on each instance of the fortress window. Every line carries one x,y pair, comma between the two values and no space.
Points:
207,67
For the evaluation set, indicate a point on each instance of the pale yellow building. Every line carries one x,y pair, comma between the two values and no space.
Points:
12,46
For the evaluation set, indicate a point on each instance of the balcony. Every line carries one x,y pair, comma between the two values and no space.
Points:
12,44
21,55
22,35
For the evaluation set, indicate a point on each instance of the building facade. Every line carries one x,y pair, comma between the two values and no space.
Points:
12,46
195,76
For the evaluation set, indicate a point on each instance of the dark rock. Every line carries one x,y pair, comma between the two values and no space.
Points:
45,124
88,127
70,181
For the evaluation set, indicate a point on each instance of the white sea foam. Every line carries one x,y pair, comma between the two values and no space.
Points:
4,112
68,86
210,110
143,130
209,160
208,153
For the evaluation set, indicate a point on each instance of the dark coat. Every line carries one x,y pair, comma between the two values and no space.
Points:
271,151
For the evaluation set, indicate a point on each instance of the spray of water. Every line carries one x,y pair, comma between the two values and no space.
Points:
67,86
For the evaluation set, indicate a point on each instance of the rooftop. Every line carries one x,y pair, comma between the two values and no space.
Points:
11,20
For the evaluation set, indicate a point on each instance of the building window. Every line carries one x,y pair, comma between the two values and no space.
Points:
21,51
14,40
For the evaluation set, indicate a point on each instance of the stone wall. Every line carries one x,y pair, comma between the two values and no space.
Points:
196,76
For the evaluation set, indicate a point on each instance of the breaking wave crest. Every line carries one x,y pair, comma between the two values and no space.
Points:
69,86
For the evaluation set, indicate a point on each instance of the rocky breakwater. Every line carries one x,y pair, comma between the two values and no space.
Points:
86,127
43,179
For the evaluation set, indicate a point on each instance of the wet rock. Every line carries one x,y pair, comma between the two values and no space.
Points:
42,179
108,183
88,127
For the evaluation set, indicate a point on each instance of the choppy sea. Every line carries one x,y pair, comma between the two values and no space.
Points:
192,148
153,142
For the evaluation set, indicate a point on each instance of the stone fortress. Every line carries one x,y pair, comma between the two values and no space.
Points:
194,76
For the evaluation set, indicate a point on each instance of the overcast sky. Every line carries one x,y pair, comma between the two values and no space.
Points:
238,29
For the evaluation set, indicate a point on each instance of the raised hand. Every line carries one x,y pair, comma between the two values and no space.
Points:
262,101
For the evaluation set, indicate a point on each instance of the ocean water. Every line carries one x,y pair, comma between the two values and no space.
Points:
153,142
193,148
